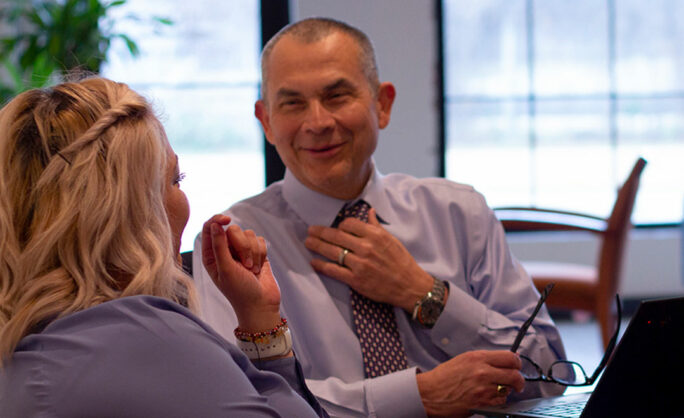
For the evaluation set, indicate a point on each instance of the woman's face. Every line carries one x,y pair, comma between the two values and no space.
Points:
177,207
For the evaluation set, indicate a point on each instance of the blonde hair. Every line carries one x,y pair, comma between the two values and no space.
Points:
83,172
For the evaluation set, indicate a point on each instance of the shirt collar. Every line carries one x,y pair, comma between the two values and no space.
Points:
315,208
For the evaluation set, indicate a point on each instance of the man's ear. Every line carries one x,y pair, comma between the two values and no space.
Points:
386,95
261,113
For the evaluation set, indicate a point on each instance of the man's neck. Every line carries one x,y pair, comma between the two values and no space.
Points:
346,190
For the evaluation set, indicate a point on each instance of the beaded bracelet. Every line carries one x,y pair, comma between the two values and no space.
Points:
263,336
276,346
272,343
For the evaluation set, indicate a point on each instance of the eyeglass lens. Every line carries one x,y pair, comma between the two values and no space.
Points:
566,373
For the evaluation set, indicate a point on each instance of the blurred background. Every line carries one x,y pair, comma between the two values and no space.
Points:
535,103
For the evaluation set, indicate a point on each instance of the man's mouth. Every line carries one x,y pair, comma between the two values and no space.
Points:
324,150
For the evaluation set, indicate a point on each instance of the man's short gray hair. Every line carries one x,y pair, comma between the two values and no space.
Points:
314,29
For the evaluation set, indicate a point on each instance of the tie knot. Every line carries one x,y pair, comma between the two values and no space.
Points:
358,210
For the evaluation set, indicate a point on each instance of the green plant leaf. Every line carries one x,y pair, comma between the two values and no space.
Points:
43,68
130,44
50,36
163,20
7,45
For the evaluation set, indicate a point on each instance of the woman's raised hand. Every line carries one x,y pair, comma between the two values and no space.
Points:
236,261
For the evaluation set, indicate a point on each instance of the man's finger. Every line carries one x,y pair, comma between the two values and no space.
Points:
373,217
510,378
335,237
505,369
330,251
355,227
333,270
503,359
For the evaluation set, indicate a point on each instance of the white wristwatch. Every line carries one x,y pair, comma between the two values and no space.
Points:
272,347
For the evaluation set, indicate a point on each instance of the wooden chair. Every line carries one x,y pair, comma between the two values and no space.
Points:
579,287
187,261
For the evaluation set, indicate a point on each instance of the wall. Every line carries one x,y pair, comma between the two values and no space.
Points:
404,34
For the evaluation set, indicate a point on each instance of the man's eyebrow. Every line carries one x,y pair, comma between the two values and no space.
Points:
339,83
285,92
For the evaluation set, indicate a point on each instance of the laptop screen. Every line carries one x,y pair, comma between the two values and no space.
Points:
644,377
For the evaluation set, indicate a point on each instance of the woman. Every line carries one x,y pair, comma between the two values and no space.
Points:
92,316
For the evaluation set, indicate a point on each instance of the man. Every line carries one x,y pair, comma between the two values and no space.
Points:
431,250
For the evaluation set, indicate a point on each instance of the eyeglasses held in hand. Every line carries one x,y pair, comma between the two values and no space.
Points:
563,372
526,324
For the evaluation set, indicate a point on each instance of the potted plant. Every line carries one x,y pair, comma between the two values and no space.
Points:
41,40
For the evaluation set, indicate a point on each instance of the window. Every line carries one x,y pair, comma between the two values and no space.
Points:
549,103
202,75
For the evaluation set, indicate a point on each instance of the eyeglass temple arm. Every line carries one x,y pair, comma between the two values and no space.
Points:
526,324
611,343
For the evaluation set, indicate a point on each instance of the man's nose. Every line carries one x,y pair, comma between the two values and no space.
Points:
318,118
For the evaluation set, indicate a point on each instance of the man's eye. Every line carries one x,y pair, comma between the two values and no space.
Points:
338,96
291,104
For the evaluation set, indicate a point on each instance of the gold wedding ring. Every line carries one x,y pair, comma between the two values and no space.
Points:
501,390
343,254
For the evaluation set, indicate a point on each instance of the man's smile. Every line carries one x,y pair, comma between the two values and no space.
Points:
324,151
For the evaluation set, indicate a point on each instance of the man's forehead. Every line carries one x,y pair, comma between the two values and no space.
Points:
333,45
327,61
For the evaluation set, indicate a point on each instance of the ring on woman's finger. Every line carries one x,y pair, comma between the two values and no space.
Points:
501,390
343,254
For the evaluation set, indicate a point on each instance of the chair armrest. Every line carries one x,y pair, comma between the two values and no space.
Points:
535,219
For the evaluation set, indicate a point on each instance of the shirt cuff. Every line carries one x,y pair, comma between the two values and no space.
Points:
394,395
463,316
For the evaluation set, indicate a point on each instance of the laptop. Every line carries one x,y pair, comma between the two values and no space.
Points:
644,377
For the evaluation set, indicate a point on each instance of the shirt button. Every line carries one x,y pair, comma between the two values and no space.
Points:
445,341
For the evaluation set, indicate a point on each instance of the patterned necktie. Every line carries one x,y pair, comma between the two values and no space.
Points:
375,324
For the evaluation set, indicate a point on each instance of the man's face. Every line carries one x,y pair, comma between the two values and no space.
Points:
321,114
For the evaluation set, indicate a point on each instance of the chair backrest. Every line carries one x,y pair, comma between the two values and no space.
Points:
187,262
615,235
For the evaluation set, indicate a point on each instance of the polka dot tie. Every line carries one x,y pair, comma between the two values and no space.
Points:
375,324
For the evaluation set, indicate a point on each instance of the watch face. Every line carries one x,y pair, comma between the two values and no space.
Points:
430,311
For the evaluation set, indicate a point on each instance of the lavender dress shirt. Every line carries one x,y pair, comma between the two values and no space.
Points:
452,234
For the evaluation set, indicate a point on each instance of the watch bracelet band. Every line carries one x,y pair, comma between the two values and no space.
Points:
278,345
416,307
439,289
